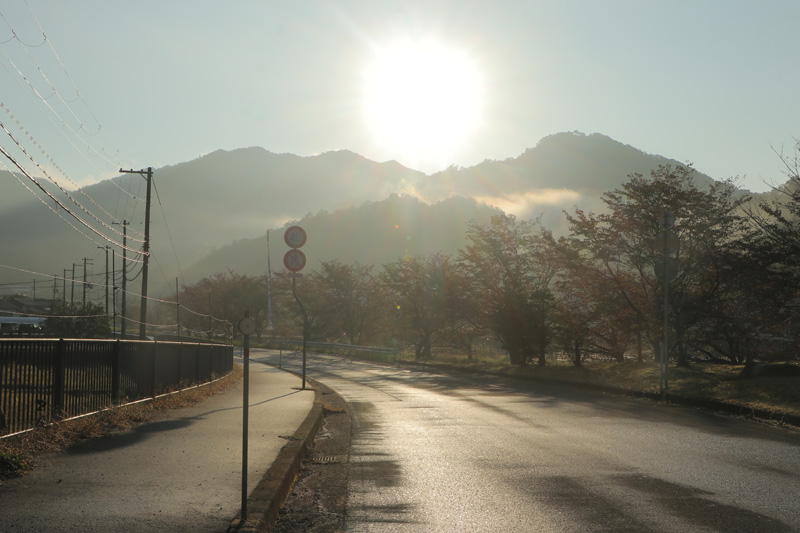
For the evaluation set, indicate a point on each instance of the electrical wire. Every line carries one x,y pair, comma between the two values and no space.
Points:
59,202
101,151
56,165
107,226
103,285
169,233
66,73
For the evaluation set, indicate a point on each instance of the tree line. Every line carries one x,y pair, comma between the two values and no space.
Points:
593,291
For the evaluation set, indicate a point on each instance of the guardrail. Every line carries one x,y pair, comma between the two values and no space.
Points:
48,379
286,344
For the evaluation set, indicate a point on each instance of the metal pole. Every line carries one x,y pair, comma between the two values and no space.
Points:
666,316
114,294
666,222
245,418
177,307
305,325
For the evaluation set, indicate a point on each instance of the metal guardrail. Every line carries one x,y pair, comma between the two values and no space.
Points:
48,379
329,347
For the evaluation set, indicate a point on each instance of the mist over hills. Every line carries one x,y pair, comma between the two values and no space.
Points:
212,213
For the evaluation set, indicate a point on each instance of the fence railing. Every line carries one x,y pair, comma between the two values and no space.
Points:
314,346
49,379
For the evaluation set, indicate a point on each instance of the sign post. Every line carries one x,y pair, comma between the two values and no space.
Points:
246,326
668,243
295,261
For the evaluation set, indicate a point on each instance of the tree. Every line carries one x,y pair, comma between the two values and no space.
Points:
419,286
772,249
225,296
354,298
78,322
619,248
509,265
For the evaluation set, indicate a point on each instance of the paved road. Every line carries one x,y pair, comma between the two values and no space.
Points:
181,472
437,453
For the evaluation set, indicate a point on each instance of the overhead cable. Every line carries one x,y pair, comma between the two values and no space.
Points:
59,202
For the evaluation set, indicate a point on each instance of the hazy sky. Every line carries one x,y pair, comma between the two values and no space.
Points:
428,83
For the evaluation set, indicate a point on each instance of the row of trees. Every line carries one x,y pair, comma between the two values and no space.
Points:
734,297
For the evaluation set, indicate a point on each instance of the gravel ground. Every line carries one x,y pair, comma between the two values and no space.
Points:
319,495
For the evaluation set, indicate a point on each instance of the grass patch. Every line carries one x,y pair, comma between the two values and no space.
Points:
19,453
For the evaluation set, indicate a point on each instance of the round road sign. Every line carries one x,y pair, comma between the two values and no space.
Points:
247,326
295,237
294,260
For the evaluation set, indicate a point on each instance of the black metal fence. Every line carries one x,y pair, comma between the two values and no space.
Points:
48,379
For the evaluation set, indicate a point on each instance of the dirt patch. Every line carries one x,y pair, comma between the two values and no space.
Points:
319,495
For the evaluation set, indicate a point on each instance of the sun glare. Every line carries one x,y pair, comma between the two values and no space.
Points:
422,101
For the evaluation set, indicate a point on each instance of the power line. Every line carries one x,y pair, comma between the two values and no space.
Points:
56,165
99,149
107,226
76,280
59,202
66,72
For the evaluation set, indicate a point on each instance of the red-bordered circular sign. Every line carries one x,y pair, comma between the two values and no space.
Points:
294,260
295,237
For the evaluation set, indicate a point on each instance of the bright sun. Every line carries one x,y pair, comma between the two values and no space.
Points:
422,101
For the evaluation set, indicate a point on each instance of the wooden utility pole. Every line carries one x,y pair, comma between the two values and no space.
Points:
148,175
72,290
85,284
124,275
106,249
178,307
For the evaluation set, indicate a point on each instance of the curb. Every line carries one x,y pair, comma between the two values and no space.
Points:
264,503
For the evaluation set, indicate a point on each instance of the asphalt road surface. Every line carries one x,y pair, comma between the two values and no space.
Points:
442,453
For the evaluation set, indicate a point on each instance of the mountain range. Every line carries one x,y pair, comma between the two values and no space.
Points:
212,214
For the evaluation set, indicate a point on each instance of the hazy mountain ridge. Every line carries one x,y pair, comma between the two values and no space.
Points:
371,234
224,202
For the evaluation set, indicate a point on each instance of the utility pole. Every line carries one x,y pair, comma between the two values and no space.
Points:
106,249
72,290
85,284
148,175
124,273
177,307
114,294
55,290
65,287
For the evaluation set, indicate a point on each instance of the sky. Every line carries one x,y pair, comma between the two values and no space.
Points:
429,84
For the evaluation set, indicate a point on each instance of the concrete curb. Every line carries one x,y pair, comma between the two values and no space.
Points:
264,503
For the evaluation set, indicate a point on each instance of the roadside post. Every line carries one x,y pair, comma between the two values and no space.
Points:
295,261
246,326
666,270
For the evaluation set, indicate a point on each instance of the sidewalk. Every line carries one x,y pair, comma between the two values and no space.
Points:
181,472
